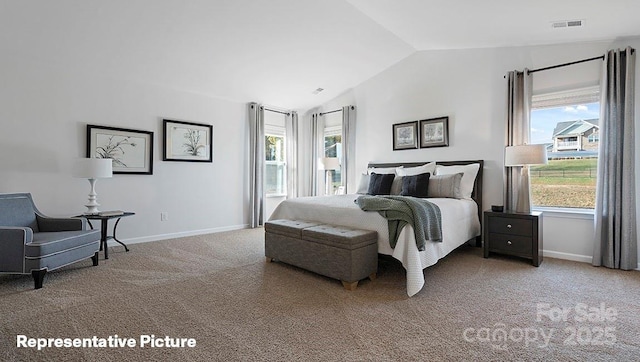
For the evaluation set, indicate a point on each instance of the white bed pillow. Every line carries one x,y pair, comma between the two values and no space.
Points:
468,178
412,171
383,170
363,186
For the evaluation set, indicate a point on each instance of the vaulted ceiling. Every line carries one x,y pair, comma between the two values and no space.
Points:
279,51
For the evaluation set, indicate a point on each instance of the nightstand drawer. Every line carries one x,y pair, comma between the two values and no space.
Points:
511,226
510,244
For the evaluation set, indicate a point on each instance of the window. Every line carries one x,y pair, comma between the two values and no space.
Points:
567,122
275,175
333,148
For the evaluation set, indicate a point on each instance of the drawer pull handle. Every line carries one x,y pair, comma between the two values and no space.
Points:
509,242
508,226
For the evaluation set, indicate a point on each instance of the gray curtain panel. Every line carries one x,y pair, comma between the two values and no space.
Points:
317,150
616,240
349,148
291,129
518,133
256,164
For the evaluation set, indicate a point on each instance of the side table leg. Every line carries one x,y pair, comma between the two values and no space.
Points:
114,236
103,238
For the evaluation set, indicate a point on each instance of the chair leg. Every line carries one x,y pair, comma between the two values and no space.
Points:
38,277
95,258
350,285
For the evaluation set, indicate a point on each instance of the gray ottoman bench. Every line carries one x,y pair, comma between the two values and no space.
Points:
338,252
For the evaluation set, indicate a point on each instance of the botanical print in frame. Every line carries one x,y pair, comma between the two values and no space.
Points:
187,141
434,132
131,150
405,136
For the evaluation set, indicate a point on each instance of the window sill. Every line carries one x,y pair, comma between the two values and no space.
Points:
276,195
567,213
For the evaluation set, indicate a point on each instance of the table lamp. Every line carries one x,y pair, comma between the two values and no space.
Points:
93,169
523,156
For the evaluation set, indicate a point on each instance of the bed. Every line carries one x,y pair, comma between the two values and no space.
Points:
460,222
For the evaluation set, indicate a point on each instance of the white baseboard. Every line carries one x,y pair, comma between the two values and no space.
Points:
567,256
182,234
572,257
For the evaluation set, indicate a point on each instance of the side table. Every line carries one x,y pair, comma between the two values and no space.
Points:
514,233
103,229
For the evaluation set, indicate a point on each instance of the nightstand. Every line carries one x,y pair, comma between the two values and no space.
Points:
513,233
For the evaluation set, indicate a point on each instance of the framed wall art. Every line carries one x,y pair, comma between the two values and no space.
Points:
131,150
405,136
434,132
187,141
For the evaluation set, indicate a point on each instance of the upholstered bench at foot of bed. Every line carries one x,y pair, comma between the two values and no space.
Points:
338,252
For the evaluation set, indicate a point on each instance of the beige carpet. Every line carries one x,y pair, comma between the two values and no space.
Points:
219,290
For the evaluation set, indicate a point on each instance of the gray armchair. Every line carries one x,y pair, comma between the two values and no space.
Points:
33,243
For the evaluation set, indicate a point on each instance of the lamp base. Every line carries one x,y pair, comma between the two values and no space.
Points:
523,203
91,210
328,182
92,206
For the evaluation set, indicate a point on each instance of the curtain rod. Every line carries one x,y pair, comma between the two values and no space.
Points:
566,64
334,111
273,110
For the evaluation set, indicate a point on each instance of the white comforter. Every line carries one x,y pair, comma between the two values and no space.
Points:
459,224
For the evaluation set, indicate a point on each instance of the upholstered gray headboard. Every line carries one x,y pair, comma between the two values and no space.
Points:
476,195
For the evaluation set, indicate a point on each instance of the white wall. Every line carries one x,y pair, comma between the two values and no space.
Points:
44,113
469,87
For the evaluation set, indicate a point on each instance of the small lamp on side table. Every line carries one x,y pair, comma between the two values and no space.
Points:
524,155
329,164
93,169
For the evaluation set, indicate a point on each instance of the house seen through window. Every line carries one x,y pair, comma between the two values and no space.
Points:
567,123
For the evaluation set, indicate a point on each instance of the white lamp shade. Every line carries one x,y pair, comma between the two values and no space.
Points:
93,168
525,155
329,163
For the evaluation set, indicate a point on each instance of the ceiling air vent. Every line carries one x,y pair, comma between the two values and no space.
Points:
567,24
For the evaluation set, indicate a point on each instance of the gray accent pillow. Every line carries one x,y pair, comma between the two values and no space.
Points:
396,185
380,184
416,185
445,186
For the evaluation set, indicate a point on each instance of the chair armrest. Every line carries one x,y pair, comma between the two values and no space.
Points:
12,242
47,224
10,234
